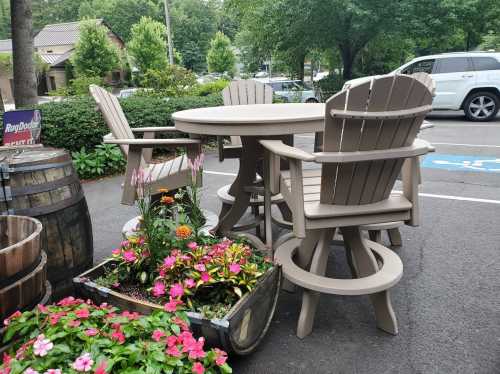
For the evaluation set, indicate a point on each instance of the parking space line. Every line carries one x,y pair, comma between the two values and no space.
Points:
446,197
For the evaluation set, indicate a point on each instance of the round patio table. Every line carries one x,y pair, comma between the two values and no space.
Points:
252,123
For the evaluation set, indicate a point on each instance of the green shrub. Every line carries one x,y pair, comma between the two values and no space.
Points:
210,87
106,159
74,122
329,85
172,81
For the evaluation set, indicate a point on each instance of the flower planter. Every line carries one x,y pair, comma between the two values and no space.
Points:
239,332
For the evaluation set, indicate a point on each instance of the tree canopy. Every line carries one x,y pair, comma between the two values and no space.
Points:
95,55
220,57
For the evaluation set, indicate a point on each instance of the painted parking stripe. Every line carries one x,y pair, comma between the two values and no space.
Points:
446,197
485,164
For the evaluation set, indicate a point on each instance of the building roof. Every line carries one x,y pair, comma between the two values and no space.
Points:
6,45
59,34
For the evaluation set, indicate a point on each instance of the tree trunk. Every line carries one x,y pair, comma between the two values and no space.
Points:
301,62
22,53
2,108
347,61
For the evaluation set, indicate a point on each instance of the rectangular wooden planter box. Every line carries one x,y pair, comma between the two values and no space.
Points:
240,331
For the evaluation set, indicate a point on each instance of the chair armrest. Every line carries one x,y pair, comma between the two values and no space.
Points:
281,149
148,143
393,114
155,129
418,148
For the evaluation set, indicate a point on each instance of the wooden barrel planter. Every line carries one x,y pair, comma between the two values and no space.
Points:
42,183
239,332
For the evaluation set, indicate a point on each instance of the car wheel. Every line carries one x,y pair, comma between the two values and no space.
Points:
309,101
481,106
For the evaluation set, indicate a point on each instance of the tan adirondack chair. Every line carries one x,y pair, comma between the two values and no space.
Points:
171,174
369,137
244,92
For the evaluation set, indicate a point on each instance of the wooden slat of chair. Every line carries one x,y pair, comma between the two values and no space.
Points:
351,137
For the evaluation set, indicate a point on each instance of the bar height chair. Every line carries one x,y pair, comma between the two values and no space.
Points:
369,138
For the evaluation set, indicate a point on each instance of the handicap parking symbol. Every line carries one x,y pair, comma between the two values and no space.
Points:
487,164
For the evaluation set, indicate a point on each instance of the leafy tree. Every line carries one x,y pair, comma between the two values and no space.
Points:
4,19
220,56
194,23
174,81
53,11
95,55
120,15
147,45
491,41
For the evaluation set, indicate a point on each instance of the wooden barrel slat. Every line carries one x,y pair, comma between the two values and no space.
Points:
42,183
24,292
19,244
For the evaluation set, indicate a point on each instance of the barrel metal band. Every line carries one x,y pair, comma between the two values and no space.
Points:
44,187
47,209
29,168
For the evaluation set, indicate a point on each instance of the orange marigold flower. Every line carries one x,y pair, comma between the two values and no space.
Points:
167,200
183,231
162,190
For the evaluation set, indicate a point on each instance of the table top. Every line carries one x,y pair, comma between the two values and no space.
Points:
252,120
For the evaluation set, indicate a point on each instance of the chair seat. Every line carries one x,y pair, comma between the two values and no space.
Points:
386,277
175,171
313,209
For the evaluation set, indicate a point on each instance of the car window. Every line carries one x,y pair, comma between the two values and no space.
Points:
290,86
485,63
424,66
452,65
277,86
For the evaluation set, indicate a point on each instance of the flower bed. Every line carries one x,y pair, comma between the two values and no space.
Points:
227,285
76,336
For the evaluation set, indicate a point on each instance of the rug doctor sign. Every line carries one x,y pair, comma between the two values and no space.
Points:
22,127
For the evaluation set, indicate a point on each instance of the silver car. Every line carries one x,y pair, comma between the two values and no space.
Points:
291,91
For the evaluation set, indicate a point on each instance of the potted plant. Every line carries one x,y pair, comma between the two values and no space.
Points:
228,286
76,336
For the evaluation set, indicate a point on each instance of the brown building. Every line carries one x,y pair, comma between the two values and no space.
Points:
55,45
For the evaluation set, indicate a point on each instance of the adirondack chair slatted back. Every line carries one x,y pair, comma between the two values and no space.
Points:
113,115
369,181
246,92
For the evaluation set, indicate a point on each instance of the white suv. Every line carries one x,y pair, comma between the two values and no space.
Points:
468,81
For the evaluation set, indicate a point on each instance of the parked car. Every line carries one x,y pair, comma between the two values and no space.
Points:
291,90
468,81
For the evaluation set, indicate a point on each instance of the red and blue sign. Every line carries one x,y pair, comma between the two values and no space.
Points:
22,127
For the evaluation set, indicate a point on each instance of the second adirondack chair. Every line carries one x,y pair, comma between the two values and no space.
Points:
369,138
171,174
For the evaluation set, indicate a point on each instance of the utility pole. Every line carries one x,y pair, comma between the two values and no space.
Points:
169,34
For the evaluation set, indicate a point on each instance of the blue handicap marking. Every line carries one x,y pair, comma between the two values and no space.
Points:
488,164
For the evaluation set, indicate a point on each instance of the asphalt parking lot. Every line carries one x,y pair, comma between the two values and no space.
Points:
448,301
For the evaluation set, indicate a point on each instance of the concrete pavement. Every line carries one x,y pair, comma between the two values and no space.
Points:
447,303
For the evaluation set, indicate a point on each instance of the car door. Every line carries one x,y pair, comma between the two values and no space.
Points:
487,70
454,78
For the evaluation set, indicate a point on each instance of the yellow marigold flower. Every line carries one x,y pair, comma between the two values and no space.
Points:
162,190
183,231
167,200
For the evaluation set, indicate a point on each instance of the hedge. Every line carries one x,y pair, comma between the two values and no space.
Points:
74,123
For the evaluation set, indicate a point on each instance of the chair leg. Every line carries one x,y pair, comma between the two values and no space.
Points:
375,235
310,298
367,265
395,237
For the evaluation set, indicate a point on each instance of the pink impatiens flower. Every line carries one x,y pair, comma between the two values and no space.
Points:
83,363
116,251
171,306
192,245
158,289
220,357
198,368
129,256
30,371
101,368
53,371
118,336
234,268
190,283
205,277
82,313
91,332
42,346
173,351
169,262
177,290
157,335
200,267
